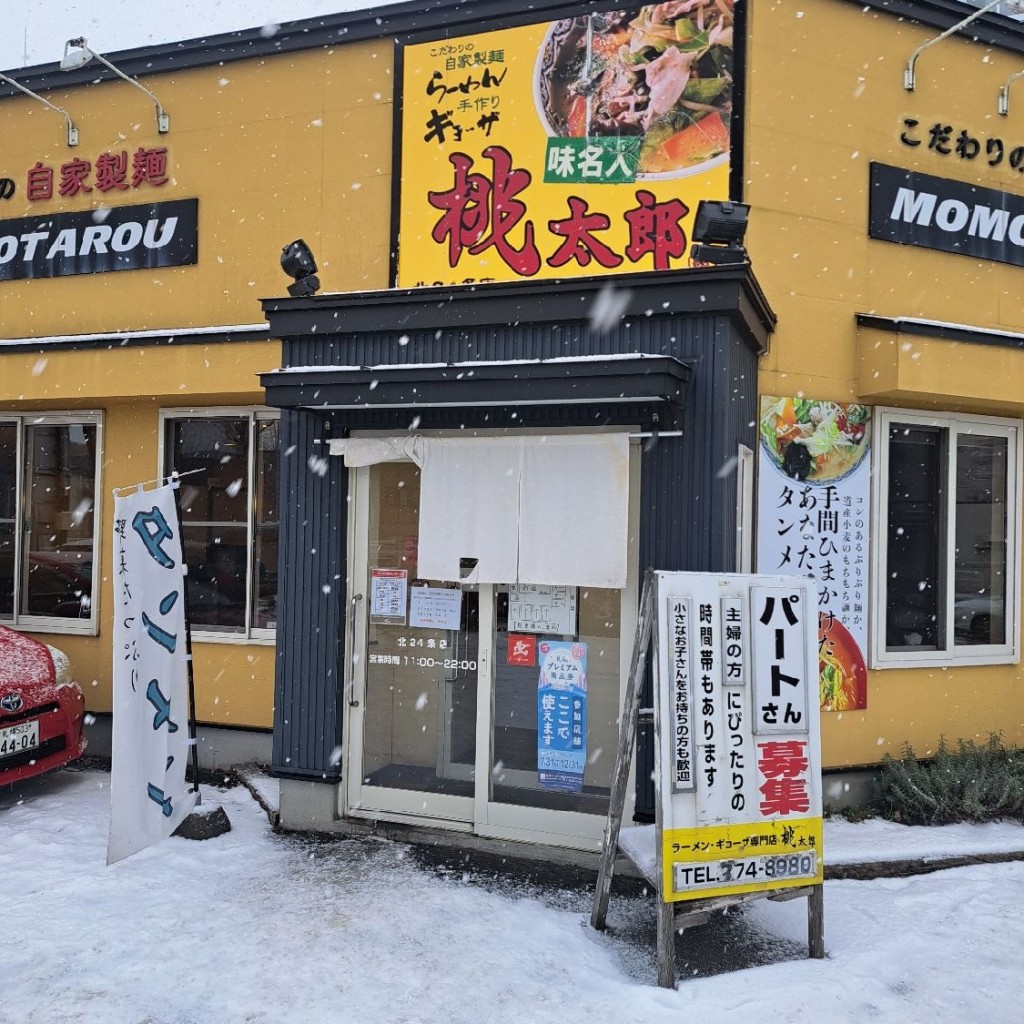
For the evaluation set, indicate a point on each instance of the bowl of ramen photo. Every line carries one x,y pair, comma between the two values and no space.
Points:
817,441
662,74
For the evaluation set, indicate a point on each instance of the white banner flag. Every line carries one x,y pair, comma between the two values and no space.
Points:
148,795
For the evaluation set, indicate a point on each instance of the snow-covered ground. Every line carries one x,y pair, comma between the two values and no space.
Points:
258,927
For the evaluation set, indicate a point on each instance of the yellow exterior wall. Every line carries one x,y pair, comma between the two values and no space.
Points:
825,97
274,149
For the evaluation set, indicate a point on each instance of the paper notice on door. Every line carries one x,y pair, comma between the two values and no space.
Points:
389,589
539,608
435,607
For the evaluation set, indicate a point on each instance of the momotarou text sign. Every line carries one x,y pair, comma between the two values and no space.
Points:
142,237
739,754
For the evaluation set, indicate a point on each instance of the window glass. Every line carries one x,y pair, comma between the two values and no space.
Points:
516,775
915,537
230,520
214,453
419,723
60,484
266,525
951,560
981,525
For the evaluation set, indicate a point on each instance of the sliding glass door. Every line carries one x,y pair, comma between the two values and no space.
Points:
476,706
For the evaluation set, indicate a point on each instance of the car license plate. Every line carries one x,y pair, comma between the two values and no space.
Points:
715,874
16,738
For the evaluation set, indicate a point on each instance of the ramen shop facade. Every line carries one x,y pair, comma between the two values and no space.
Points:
547,399
417,505
420,499
884,436
492,470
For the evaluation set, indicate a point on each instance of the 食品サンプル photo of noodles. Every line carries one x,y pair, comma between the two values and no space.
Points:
662,73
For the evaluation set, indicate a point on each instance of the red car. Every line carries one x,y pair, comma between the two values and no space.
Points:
41,708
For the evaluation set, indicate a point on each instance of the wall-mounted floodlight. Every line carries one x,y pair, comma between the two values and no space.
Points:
1003,107
77,54
72,130
297,261
718,230
908,74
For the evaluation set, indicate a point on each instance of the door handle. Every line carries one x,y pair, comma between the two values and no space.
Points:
349,642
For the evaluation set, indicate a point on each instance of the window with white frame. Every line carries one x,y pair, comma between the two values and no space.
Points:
228,500
49,478
947,500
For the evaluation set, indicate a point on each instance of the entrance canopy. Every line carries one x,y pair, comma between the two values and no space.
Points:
670,355
571,380
621,349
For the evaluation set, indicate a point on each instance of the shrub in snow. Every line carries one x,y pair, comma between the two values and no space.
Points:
971,783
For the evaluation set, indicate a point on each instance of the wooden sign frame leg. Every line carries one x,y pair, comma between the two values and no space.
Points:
816,923
624,753
666,943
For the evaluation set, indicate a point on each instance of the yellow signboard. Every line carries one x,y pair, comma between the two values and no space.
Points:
716,860
568,148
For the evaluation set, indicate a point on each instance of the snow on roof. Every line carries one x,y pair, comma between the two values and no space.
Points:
969,328
35,30
473,364
112,336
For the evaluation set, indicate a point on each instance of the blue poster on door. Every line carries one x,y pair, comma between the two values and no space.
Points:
562,715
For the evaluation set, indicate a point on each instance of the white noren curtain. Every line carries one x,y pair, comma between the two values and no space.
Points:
524,509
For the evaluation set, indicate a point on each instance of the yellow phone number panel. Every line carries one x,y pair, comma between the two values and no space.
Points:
717,860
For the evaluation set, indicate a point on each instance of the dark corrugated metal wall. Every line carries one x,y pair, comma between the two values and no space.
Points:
310,625
688,489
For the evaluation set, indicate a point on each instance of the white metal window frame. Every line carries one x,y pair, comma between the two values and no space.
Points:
957,424
49,623
254,414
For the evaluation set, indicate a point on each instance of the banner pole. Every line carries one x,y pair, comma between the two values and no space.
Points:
193,741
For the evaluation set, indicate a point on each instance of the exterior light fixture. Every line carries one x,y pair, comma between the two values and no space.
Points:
1003,106
297,261
72,130
908,74
77,54
718,231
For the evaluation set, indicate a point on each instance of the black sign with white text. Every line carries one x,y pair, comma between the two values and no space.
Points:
939,213
141,237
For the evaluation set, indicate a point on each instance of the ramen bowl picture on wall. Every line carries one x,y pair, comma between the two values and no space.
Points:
660,74
817,441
